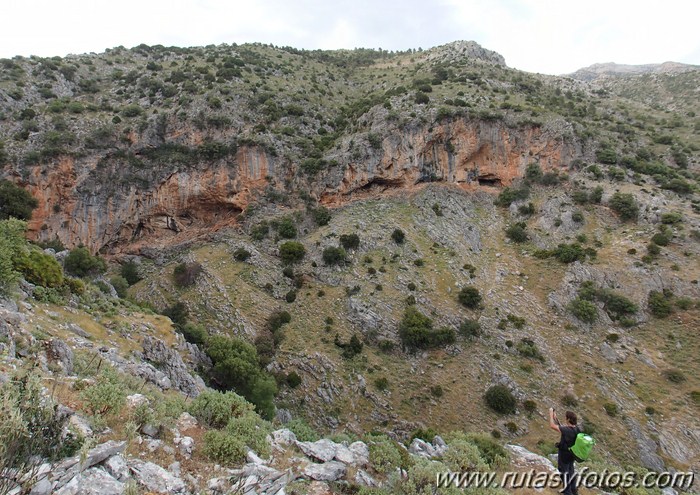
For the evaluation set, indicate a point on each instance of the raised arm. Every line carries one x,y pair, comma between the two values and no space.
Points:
552,417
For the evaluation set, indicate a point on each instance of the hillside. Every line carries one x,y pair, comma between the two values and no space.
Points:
394,233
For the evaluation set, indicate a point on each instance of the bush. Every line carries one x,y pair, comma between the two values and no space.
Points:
674,376
510,195
178,314
659,304
236,366
241,254
81,263
583,310
470,329
671,218
106,396
530,406
15,202
398,236
290,296
527,347
293,379
517,232
302,430
286,228
193,333
381,383
120,285
384,453
611,409
185,274
416,331
625,206
31,430
334,255
39,268
221,447
350,241
661,239
12,245
215,409
130,272
292,252
500,399
321,215
469,297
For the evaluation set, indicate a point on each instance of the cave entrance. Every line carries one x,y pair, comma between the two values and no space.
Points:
489,180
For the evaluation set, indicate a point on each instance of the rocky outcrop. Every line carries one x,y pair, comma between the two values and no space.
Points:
115,202
171,364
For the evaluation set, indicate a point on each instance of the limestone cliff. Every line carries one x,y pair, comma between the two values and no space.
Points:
110,203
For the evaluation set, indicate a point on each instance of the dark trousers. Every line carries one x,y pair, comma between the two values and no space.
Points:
568,477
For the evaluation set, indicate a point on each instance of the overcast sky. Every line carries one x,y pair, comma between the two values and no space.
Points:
547,36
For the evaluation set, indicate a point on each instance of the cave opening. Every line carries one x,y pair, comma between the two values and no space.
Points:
489,180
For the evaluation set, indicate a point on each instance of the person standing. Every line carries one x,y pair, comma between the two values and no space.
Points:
565,458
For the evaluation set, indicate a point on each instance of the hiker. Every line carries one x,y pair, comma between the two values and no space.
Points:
565,458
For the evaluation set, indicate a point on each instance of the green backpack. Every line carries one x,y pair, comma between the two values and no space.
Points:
582,447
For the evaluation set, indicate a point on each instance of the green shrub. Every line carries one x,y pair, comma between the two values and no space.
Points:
334,255
321,215
577,216
611,409
241,254
178,314
416,331
596,195
659,304
500,399
291,296
470,329
530,406
39,268
236,366
292,252
130,272
81,263
527,347
625,205
132,111
381,383
15,202
569,400
12,245
695,397
469,297
384,453
31,430
583,310
302,430
293,379
106,396
286,228
517,232
661,239
193,333
226,449
671,218
398,236
674,376
215,409
350,241
510,195
120,285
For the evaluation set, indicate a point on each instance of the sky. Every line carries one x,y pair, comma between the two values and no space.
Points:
545,36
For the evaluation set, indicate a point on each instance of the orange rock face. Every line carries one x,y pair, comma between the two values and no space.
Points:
112,206
471,154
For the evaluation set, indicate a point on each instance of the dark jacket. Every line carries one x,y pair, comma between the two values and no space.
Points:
568,438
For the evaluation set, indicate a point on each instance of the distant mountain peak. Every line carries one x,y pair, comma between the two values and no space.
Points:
461,49
612,69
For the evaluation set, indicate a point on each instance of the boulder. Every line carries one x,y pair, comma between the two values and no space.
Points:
186,447
361,452
421,448
323,450
186,421
93,481
646,447
58,352
328,471
154,478
283,437
69,468
117,468
135,400
523,458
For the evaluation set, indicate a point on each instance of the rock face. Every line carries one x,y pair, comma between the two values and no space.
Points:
108,203
170,362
